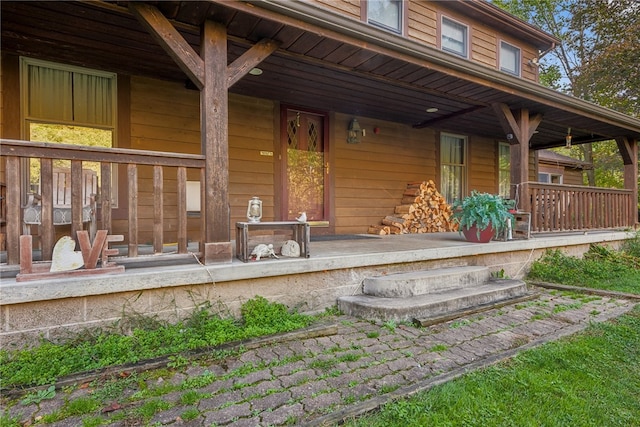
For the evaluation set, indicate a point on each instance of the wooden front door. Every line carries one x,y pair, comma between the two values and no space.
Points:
305,168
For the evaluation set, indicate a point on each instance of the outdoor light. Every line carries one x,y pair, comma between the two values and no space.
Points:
567,139
254,209
255,71
355,133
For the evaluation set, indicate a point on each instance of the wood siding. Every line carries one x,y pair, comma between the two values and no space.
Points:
165,117
371,176
483,159
423,22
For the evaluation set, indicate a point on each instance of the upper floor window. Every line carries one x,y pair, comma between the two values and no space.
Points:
509,59
454,37
386,14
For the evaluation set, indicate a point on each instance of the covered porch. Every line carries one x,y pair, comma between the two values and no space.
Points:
310,56
554,208
164,289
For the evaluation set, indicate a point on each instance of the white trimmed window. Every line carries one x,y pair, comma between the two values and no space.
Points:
385,14
504,170
70,105
454,37
549,178
509,58
453,166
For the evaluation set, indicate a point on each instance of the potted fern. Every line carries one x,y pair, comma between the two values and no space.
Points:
481,216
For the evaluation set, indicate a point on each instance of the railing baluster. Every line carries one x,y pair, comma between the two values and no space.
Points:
105,197
47,232
132,175
13,209
182,210
158,208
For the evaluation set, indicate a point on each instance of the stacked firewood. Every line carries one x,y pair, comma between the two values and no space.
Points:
422,210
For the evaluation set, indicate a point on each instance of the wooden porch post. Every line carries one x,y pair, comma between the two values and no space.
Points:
519,127
629,152
210,73
214,115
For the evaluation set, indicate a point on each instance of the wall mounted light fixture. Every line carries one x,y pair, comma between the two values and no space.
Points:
355,133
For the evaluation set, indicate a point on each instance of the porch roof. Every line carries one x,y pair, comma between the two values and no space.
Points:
325,61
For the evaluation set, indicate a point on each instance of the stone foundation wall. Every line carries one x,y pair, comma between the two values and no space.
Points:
55,319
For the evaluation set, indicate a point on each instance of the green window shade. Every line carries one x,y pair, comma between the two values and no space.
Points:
92,99
68,96
50,94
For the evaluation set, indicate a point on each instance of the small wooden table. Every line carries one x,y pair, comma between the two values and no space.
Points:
251,234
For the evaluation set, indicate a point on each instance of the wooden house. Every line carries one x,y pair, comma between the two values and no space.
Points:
324,106
556,168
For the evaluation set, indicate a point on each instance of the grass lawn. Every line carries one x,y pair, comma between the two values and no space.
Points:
589,379
599,269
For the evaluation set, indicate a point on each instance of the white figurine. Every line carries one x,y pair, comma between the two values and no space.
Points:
263,251
302,217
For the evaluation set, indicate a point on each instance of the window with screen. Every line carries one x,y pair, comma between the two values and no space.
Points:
453,166
454,37
509,59
386,14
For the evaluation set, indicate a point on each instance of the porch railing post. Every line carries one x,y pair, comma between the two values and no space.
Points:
13,209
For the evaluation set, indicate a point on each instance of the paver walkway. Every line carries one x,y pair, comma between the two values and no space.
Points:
319,381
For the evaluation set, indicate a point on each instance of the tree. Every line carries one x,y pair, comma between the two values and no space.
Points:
596,60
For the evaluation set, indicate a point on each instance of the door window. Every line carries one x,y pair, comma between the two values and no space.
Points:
304,149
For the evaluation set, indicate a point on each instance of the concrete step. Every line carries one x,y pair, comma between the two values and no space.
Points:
431,305
404,285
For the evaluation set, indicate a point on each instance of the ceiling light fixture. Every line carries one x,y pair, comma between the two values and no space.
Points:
432,110
255,71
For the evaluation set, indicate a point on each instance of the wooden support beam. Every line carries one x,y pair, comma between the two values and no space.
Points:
171,41
210,73
519,126
214,125
629,151
508,122
251,58
511,123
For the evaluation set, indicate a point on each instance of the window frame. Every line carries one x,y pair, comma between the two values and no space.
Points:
27,119
550,177
504,192
402,12
464,166
466,41
518,63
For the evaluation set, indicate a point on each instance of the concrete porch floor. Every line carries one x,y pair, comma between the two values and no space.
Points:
335,268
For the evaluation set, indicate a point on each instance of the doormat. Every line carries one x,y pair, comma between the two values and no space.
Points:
331,237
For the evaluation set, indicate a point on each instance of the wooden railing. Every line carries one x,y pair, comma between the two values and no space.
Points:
108,159
557,207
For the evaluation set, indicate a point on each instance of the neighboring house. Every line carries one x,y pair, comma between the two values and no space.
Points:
328,107
556,168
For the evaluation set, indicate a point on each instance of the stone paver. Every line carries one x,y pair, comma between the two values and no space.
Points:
309,381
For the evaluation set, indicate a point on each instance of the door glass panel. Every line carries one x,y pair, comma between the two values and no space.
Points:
305,166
